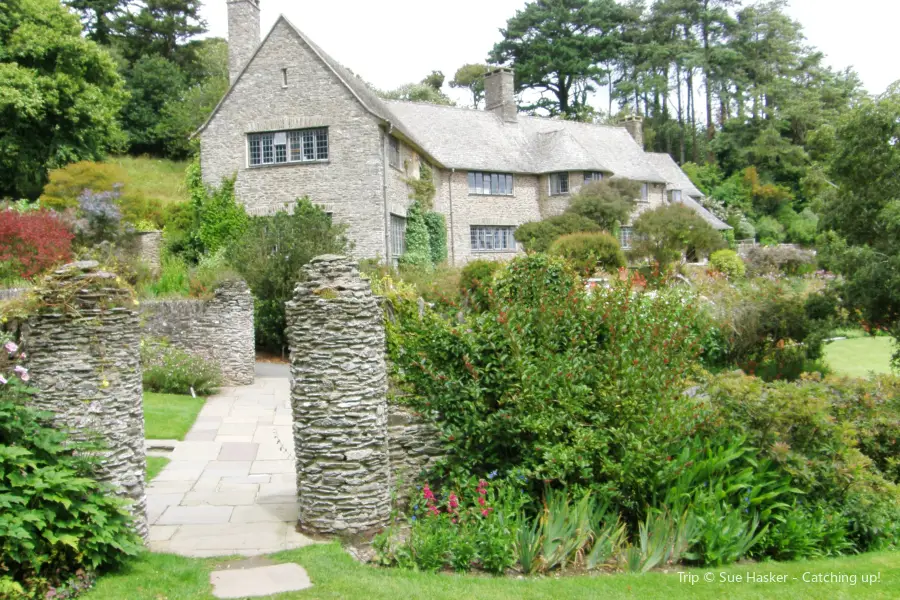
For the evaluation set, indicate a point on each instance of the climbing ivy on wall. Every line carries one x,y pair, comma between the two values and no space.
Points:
418,243
426,230
437,236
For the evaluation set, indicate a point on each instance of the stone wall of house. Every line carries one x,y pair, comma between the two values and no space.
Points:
219,329
85,363
10,293
350,184
338,394
414,446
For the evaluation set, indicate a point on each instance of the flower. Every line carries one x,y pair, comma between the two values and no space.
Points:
25,377
485,512
454,501
426,491
11,347
481,501
492,474
21,370
2,380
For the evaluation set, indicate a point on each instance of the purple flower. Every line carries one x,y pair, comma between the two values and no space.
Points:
2,380
25,377
11,347
21,370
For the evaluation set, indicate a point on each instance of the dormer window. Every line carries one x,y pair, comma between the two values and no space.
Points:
592,176
674,195
559,184
394,152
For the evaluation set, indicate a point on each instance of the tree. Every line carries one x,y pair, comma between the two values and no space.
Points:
159,27
153,81
666,233
296,237
98,16
60,95
434,80
471,77
557,47
416,92
608,203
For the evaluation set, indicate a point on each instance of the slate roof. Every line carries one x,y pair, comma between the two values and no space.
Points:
678,180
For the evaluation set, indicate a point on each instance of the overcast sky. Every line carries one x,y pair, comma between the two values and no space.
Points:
392,42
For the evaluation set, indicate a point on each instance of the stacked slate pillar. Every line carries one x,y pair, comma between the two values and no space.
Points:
83,348
339,400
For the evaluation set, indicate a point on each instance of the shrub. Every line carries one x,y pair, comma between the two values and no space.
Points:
533,382
666,233
476,280
608,203
56,521
537,236
305,233
590,251
68,183
32,242
437,236
418,244
218,219
728,262
99,218
762,260
770,231
171,370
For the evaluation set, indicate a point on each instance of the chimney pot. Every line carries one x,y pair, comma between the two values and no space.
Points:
500,94
243,34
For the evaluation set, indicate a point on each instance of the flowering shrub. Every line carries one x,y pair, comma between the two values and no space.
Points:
32,242
57,524
571,387
728,262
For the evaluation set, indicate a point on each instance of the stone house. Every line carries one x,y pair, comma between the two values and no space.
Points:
297,123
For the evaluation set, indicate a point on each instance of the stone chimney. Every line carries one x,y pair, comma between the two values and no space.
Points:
635,126
500,95
243,34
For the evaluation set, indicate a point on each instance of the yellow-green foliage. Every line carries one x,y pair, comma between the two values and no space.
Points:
590,251
67,184
156,178
728,262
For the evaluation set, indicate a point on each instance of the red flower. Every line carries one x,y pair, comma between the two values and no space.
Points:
485,512
481,501
426,491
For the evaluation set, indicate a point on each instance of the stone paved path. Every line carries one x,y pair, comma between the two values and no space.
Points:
230,487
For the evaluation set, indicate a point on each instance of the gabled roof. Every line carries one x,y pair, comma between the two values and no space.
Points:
678,180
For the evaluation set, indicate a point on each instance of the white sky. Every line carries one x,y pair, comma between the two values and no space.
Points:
392,42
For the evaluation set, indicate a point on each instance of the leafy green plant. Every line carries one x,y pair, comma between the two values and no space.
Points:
608,203
666,233
418,243
728,262
590,251
437,236
171,370
475,282
537,236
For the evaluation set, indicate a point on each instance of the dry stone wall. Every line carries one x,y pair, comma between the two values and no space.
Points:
148,248
219,329
414,447
84,360
339,399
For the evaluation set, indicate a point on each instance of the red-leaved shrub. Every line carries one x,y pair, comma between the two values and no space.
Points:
32,242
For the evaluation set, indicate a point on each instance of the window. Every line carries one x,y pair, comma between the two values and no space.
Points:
675,196
487,238
625,236
398,236
591,176
559,184
280,147
394,152
490,184
645,192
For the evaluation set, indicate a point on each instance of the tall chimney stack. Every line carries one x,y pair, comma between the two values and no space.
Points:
500,94
635,126
243,34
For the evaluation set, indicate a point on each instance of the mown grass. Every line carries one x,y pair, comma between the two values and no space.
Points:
860,355
155,464
169,416
335,574
154,177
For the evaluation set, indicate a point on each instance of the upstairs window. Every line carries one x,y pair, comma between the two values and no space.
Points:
559,184
394,152
592,176
489,238
281,147
645,192
675,196
490,184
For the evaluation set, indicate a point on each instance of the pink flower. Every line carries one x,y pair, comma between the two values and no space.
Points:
11,347
21,370
25,377
481,501
2,380
426,491
485,512
454,501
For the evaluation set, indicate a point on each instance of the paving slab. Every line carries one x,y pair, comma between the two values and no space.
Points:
238,451
259,581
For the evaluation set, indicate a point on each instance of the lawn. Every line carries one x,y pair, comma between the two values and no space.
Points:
155,464
860,354
154,177
169,416
336,575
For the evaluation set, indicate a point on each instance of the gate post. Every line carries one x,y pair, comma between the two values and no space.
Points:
339,400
